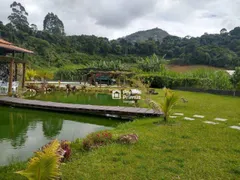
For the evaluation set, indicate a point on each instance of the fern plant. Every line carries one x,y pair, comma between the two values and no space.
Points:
45,164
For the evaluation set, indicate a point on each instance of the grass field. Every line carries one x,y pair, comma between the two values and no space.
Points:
186,68
179,150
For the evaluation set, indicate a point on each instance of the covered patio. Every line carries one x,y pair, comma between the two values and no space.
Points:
98,76
10,57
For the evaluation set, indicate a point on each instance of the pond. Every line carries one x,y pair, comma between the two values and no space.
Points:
80,98
23,131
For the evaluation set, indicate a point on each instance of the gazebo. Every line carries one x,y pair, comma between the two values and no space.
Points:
9,63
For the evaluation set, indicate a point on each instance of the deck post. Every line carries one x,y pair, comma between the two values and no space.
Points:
10,77
16,72
23,75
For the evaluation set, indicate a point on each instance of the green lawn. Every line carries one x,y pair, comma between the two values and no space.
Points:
180,150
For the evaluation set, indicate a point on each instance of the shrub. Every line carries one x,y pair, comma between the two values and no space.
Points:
83,87
219,81
96,140
30,74
51,87
65,145
74,88
235,79
151,64
68,87
32,86
63,150
45,74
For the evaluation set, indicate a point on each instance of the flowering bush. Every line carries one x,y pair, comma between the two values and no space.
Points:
50,87
63,149
128,139
32,86
65,145
96,140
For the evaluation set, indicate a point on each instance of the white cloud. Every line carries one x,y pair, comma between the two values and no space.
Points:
118,18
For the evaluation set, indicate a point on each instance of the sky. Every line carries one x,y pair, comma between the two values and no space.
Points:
118,18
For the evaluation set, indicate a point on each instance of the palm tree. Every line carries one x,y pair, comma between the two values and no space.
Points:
45,164
170,99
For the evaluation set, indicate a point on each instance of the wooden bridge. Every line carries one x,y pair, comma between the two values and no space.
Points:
112,111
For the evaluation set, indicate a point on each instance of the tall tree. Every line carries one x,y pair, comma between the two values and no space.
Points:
34,28
223,31
18,17
53,24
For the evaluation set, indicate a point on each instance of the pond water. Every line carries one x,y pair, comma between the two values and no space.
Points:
23,131
81,98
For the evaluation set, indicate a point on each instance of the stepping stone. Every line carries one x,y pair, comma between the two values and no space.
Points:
178,114
189,119
173,117
210,122
198,116
235,127
220,119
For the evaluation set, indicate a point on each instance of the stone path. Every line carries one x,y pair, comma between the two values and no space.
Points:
210,122
235,127
178,114
189,119
198,116
206,122
220,119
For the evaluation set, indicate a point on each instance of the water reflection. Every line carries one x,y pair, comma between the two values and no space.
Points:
24,131
52,127
13,127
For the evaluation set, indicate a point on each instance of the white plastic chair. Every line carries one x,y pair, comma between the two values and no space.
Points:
3,87
15,85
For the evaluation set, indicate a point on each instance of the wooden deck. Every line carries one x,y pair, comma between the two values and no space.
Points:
79,108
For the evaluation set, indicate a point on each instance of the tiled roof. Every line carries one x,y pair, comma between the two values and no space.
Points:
9,46
4,42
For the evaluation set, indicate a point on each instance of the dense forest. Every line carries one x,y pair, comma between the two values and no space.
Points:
53,48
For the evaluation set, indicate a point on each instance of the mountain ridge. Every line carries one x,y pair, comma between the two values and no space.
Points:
156,34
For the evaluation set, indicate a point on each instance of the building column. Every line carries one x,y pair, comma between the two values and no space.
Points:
16,72
10,78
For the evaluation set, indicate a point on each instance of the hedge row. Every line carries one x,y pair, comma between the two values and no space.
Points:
160,81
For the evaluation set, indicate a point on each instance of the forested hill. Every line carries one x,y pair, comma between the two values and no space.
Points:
53,48
140,36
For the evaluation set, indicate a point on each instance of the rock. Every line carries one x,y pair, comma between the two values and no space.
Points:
128,139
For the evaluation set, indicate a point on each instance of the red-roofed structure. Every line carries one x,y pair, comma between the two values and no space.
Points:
7,48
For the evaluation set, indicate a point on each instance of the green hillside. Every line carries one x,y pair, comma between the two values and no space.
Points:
53,48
